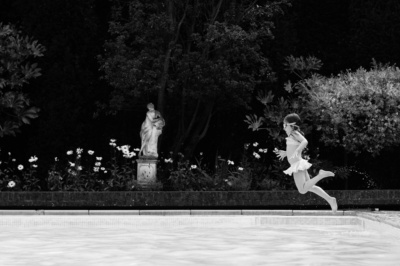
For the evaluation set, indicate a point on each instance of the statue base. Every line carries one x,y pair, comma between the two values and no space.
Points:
147,172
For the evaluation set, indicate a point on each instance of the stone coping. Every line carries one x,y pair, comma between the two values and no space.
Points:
191,212
367,213
390,218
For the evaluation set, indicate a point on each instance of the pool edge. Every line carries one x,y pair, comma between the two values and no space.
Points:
375,216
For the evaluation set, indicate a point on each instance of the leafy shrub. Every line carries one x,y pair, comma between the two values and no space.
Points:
186,176
358,111
16,69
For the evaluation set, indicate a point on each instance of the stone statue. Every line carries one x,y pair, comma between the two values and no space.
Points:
150,131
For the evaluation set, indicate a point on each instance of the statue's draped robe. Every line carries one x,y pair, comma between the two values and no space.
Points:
149,133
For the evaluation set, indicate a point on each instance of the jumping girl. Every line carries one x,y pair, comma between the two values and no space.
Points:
295,143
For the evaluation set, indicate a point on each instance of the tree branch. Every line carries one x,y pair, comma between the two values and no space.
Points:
215,12
180,22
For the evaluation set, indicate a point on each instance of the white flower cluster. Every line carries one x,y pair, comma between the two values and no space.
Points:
126,152
124,149
260,150
112,142
32,160
11,184
168,160
97,164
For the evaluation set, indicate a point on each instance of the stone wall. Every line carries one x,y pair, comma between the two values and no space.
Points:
347,199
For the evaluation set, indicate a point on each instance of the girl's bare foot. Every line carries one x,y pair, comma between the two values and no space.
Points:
333,204
324,173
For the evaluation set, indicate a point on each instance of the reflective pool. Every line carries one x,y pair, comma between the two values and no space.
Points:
85,240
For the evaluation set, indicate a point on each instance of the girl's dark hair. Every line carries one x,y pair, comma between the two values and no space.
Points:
294,118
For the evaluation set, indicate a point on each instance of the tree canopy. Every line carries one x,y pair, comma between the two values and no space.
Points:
197,58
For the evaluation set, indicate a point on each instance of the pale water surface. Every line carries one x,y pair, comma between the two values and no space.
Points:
191,245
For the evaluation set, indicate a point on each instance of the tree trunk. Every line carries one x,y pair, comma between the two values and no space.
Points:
175,28
190,134
183,132
200,128
163,82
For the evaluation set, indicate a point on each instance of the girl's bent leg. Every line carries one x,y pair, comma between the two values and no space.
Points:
300,181
311,182
331,200
320,192
305,184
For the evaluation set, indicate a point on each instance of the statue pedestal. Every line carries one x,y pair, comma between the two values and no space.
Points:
146,171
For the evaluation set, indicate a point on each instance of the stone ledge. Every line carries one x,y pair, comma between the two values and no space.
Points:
347,199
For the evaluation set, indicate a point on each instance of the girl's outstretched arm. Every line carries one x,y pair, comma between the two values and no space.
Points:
303,143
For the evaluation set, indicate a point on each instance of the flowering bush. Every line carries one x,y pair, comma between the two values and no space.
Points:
78,170
16,176
251,173
86,171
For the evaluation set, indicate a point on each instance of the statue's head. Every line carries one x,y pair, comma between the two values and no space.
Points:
150,106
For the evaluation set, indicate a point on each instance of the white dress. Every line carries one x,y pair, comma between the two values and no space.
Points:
298,163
